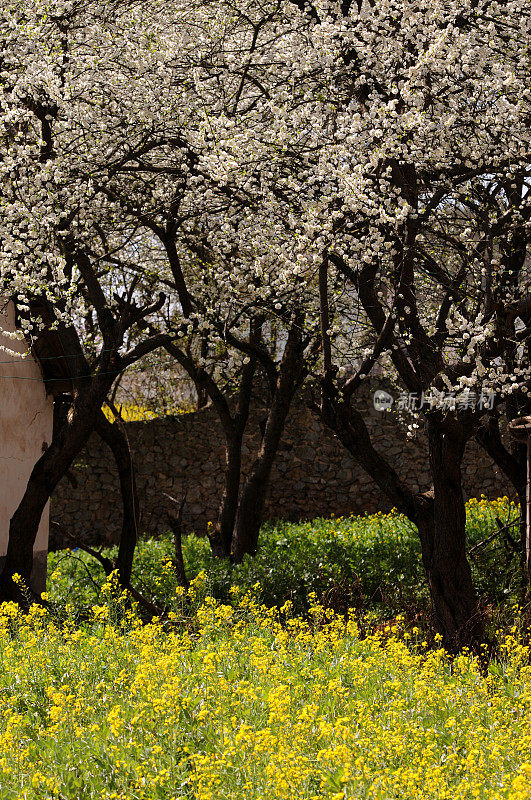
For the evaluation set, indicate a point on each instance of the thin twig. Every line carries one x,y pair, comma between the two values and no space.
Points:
501,529
108,566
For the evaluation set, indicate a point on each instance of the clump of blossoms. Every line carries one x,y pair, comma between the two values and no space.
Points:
395,141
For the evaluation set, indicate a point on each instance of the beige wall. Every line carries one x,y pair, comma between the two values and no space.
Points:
26,420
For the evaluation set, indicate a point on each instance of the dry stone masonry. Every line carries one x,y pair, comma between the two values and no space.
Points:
313,475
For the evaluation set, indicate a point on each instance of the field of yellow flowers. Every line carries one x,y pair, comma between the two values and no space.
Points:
242,702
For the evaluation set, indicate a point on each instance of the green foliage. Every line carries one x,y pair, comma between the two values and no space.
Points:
370,562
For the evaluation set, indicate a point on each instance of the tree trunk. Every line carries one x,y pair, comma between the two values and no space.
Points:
454,599
221,537
250,511
439,516
45,476
176,524
234,429
253,496
114,436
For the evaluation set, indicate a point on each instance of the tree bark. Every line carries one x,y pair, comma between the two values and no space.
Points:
454,598
221,539
234,428
113,435
176,524
253,496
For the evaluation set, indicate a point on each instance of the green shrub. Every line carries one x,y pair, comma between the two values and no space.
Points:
371,562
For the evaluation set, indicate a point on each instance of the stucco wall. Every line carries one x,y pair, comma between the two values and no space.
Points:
26,421
313,475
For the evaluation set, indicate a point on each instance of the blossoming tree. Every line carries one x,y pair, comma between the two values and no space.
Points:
105,200
385,154
64,241
351,175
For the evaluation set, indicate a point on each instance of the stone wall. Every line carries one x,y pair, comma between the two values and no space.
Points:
313,476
